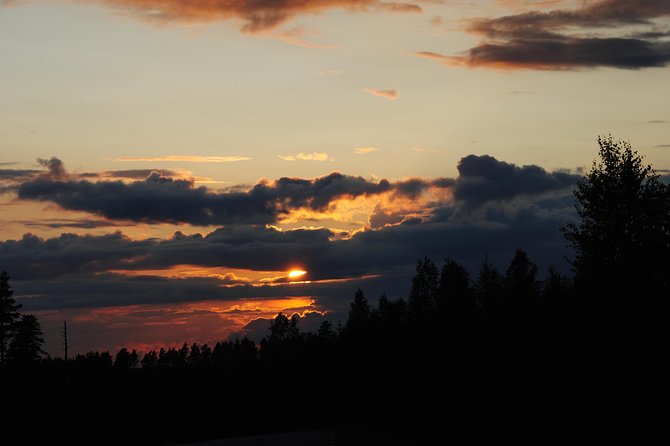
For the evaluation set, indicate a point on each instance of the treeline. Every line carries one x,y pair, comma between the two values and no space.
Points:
443,361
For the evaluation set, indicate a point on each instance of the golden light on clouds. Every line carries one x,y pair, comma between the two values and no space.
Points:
314,156
364,150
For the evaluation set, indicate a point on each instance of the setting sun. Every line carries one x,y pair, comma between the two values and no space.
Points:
296,273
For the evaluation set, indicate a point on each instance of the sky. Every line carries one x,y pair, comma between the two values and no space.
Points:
165,164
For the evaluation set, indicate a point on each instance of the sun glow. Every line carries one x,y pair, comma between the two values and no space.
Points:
296,273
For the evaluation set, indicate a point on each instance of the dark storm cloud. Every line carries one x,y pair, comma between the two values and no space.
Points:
568,39
160,198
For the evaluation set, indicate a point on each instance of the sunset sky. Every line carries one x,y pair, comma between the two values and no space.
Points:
165,164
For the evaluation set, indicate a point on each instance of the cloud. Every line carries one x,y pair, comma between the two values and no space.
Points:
599,34
56,168
484,178
14,175
161,199
314,156
365,150
296,36
72,271
433,56
386,94
256,16
58,223
489,196
187,158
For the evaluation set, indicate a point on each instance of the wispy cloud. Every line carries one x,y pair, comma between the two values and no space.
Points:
297,36
433,56
365,150
186,158
386,94
314,156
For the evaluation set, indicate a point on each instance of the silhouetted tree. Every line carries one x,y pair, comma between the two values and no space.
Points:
488,287
283,329
26,345
9,314
622,242
454,289
150,360
622,274
126,360
205,355
423,296
520,283
359,315
325,332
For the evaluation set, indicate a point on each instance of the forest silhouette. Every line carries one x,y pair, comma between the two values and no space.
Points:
499,358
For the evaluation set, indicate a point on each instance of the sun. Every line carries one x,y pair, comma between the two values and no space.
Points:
296,273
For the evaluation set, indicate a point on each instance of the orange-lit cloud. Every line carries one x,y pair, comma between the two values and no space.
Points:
256,16
364,150
186,158
386,94
314,156
434,56
297,36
